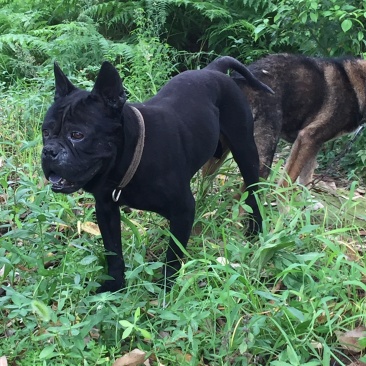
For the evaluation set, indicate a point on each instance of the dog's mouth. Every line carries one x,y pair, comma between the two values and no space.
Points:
59,184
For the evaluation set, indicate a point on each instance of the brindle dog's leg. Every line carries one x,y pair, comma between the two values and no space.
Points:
303,155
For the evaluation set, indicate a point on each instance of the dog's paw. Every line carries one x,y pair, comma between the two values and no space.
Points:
110,285
253,228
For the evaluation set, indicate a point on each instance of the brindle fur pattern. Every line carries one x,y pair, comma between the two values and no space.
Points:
315,100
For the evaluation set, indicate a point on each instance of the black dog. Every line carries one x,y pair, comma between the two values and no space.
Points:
144,155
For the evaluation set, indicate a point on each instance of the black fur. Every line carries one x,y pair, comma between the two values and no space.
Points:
90,137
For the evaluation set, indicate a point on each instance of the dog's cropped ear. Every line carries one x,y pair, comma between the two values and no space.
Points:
108,86
62,83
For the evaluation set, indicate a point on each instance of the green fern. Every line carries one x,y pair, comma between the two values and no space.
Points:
120,51
211,10
12,41
113,12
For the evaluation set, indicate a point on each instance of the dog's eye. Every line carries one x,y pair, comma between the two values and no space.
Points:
45,133
75,135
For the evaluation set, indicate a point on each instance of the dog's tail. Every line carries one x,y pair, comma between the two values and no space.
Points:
223,64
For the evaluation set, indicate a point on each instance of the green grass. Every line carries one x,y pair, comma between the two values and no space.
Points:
275,300
279,299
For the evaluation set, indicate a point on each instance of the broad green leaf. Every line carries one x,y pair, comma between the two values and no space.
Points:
268,296
346,25
47,351
125,323
314,17
88,260
299,315
145,333
168,315
267,251
137,314
292,356
127,332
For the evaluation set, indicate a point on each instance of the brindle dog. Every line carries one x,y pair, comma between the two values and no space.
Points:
315,100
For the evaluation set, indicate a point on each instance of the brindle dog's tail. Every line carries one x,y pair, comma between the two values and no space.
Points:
223,64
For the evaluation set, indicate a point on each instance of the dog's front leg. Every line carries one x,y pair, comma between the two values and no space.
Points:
181,222
109,221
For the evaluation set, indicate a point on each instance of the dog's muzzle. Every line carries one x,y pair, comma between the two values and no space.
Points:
52,158
52,151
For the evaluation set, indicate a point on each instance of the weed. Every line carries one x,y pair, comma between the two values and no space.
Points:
278,299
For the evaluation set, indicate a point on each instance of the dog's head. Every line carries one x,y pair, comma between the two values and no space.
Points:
82,131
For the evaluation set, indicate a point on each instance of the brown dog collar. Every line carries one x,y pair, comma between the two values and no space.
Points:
136,156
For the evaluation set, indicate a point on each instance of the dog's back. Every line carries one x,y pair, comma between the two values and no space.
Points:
322,97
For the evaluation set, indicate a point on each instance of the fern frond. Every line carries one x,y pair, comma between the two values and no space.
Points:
27,41
210,9
114,12
257,4
122,50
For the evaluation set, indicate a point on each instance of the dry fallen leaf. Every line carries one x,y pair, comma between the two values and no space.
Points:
351,250
3,199
90,228
182,356
349,340
223,261
329,185
221,179
164,334
154,360
317,345
134,358
361,190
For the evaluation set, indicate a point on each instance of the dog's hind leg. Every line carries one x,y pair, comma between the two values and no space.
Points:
181,220
306,174
245,154
266,136
302,157
250,172
266,145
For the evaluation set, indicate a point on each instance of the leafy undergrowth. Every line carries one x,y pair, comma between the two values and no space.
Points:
292,296
288,297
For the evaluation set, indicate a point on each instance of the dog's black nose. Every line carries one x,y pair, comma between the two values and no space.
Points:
50,151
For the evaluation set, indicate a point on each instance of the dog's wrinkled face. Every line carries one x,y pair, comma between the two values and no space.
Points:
81,131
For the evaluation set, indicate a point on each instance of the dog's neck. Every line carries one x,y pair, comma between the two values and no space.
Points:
137,152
